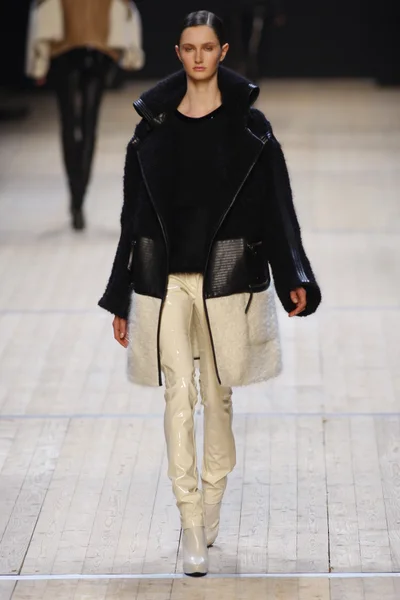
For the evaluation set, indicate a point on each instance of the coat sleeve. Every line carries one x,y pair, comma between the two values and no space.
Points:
116,298
45,25
126,34
290,265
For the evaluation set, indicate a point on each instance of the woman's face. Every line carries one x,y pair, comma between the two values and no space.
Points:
200,52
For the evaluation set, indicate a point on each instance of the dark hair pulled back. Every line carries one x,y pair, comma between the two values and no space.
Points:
204,17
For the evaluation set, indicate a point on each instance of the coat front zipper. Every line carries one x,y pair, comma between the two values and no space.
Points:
263,141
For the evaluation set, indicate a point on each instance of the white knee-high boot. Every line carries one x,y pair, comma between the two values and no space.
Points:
219,457
182,470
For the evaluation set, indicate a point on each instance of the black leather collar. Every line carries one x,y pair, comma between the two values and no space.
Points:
238,95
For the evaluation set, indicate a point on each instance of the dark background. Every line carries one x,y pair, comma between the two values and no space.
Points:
322,38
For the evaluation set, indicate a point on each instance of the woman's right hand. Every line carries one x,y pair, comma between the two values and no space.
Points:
120,327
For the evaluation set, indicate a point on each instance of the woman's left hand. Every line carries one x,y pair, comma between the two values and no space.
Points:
298,297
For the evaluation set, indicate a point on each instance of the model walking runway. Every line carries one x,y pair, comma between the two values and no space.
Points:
84,486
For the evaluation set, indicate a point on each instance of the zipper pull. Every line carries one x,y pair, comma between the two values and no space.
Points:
253,247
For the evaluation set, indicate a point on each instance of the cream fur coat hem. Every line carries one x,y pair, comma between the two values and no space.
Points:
247,346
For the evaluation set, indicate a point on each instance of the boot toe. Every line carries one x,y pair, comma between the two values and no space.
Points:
195,554
78,220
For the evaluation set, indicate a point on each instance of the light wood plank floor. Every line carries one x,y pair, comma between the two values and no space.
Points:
316,491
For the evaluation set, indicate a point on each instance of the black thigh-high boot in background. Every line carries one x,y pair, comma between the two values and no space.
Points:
79,83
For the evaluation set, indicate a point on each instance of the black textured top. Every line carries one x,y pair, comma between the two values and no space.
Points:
197,189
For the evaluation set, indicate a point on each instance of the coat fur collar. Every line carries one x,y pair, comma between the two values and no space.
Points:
238,95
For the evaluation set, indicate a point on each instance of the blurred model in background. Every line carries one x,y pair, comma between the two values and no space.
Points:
82,39
248,23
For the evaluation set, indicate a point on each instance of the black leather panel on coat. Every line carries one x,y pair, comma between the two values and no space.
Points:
148,267
236,266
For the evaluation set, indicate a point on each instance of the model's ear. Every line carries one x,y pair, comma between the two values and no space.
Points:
225,49
178,53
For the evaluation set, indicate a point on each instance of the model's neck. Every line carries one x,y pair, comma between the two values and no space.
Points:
201,98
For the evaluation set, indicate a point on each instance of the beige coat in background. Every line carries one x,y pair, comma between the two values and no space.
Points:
57,26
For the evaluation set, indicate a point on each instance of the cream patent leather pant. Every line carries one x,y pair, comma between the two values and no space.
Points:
184,302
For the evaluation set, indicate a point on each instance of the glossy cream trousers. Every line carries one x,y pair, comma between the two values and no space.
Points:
184,302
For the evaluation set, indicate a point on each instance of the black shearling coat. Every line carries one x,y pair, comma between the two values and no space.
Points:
257,224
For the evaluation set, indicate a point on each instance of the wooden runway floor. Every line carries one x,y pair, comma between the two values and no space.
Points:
312,510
